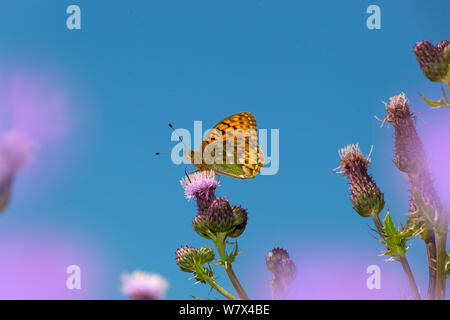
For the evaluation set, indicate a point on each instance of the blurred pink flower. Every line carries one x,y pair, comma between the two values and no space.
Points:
141,285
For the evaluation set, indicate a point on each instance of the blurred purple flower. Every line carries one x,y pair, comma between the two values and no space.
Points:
15,152
141,285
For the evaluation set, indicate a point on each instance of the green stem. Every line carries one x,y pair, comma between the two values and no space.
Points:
430,244
441,260
221,248
402,259
409,276
219,289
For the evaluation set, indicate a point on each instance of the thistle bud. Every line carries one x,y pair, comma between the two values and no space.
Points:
410,156
220,216
205,255
185,257
366,197
200,224
409,151
240,218
433,60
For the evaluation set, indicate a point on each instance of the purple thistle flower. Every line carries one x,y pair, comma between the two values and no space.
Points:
366,197
141,285
433,60
201,186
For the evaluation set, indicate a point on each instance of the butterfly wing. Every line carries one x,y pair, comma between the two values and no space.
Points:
235,141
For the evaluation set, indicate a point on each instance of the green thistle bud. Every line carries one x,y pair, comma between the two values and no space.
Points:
205,255
200,224
240,218
186,257
433,60
220,216
366,197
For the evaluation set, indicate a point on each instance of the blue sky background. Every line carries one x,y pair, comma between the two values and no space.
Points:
308,68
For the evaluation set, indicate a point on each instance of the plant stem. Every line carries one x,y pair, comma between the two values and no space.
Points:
221,248
402,259
441,260
409,276
430,244
219,289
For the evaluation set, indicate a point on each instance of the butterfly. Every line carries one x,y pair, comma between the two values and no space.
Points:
230,148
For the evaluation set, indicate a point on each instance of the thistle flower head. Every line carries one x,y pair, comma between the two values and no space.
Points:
220,216
409,152
202,186
185,258
433,60
366,197
141,285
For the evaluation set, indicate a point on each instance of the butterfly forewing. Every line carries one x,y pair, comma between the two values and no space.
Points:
233,143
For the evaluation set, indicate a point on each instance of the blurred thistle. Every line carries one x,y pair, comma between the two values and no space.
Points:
283,270
141,285
15,152
433,60
365,195
202,186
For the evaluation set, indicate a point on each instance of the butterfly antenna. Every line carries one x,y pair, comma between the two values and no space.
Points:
179,138
185,172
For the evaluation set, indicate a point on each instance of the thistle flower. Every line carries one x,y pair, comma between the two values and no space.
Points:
283,269
201,186
15,152
409,151
220,216
366,197
141,285
433,60
410,156
185,258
